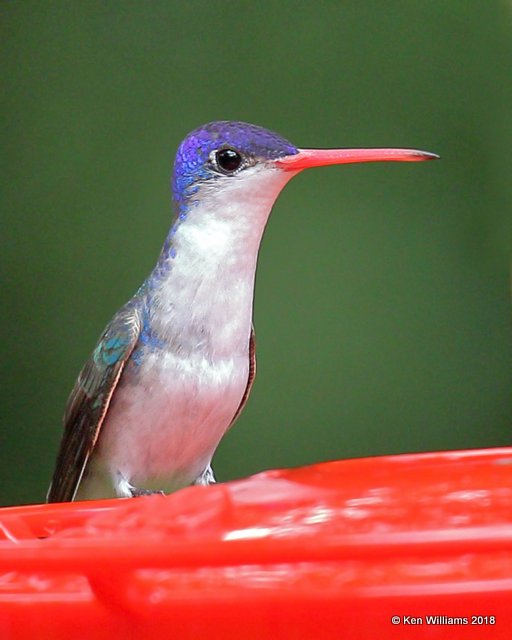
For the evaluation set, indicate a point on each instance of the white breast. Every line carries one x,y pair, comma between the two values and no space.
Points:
162,434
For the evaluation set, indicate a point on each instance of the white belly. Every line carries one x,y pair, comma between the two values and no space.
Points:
165,423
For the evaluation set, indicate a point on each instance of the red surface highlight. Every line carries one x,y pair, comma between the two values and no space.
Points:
329,551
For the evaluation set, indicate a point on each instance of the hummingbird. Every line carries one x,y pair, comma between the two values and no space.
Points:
174,367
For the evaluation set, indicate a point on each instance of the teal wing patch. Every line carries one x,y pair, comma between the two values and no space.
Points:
89,401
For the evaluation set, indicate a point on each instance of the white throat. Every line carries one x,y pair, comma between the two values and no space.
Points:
204,303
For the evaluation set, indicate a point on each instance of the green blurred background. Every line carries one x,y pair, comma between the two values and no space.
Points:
383,299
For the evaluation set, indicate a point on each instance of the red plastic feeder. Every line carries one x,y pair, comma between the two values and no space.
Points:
410,546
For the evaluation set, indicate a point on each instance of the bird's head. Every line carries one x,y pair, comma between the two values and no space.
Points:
221,158
220,155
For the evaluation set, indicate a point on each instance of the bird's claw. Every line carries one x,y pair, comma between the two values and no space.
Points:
137,493
206,477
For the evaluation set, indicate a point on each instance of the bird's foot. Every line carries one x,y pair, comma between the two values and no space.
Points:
206,477
125,489
137,493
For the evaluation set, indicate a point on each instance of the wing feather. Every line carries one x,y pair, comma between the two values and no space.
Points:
250,379
89,401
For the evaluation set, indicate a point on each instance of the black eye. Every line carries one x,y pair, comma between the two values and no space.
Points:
228,160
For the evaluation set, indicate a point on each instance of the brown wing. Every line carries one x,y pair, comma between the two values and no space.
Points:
250,379
89,402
